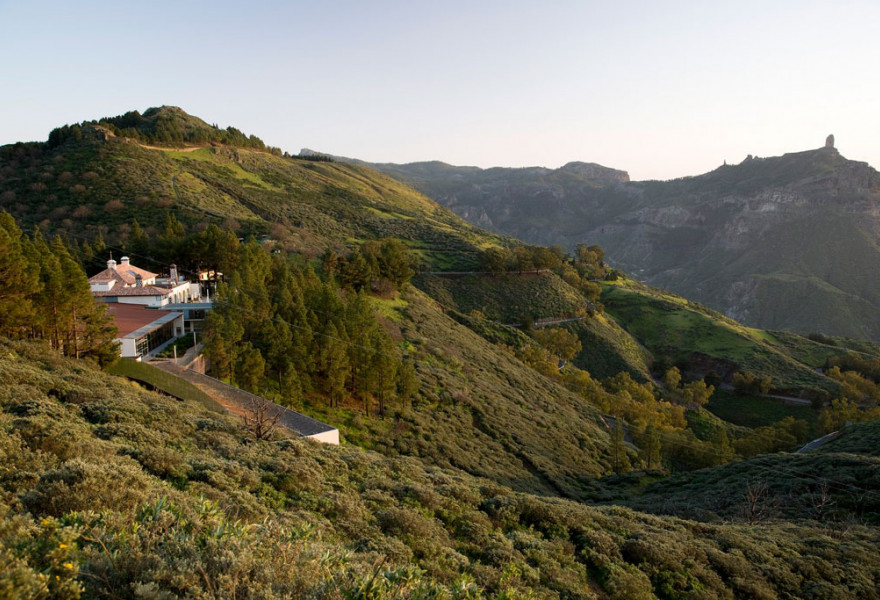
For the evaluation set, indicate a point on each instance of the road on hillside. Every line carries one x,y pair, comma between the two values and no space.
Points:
809,447
786,399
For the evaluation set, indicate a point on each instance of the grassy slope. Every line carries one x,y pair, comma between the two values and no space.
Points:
607,348
860,438
751,411
506,298
129,493
486,413
792,483
671,326
164,382
318,204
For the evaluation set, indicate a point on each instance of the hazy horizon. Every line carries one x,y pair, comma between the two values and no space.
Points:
660,91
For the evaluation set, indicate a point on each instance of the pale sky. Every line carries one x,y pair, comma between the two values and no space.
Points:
660,89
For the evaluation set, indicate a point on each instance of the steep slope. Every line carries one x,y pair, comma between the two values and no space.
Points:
481,410
488,414
680,332
110,491
838,482
98,181
782,243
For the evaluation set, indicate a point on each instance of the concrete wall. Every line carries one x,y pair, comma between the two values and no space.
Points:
127,350
143,300
102,287
327,437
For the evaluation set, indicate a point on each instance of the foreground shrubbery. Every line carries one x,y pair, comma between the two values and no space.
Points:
116,492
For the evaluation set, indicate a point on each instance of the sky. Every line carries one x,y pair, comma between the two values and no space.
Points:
659,89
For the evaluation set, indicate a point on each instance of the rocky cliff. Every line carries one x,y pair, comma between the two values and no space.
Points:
784,242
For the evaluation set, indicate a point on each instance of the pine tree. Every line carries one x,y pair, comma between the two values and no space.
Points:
333,364
619,459
651,447
277,346
395,263
356,272
78,298
407,383
287,301
19,280
223,332
53,300
249,368
361,325
384,370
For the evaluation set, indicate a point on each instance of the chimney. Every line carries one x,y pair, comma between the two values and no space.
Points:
138,280
124,260
173,273
111,264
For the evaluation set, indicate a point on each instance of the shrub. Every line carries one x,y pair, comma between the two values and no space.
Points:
79,485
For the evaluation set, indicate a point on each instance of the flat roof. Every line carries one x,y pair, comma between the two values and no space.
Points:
186,305
134,320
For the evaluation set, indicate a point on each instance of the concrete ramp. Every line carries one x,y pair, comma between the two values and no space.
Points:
239,402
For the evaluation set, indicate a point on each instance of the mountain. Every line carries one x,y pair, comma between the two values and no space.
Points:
100,176
478,405
476,480
786,242
113,491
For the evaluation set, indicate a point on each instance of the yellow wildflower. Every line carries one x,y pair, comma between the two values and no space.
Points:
67,565
62,545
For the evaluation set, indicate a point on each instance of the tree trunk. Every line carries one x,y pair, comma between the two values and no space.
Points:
75,336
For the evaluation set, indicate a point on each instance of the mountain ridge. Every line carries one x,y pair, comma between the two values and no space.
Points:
473,479
746,239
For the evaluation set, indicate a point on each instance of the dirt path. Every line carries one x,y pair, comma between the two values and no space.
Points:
789,399
165,148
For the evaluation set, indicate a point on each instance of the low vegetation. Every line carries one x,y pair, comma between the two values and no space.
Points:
107,187
481,387
694,338
113,491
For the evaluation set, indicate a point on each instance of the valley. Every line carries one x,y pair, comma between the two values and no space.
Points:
776,243
516,420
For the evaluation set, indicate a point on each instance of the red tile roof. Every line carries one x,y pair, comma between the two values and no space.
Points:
147,290
122,274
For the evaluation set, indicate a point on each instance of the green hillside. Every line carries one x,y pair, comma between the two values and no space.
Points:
102,183
506,298
609,349
830,486
485,412
860,439
145,182
110,491
470,448
781,242
696,338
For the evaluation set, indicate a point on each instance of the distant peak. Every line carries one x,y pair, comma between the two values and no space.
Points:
829,141
595,171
